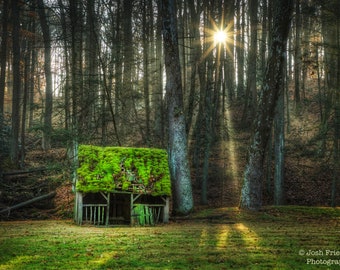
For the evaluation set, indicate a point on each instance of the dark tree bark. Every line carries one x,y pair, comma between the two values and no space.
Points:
27,46
297,53
252,60
229,70
76,65
46,142
157,95
128,58
329,35
201,132
331,39
336,148
263,45
32,79
251,91
146,83
177,148
279,146
305,38
91,80
195,61
76,82
209,91
3,58
239,6
118,55
67,65
251,195
14,150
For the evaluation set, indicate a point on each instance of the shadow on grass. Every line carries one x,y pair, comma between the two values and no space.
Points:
188,247
214,239
207,246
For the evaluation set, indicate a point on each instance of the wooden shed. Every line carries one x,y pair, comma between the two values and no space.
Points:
122,185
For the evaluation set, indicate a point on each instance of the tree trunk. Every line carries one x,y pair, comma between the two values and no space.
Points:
77,83
157,96
297,54
195,62
329,35
3,60
252,61
117,48
240,49
229,70
336,146
203,128
76,66
206,131
306,36
66,66
126,93
91,87
32,80
27,47
251,194
146,83
46,142
263,45
177,149
279,138
251,91
39,198
14,152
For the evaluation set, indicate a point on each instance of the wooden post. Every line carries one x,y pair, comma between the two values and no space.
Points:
166,209
107,210
107,198
75,214
131,209
78,211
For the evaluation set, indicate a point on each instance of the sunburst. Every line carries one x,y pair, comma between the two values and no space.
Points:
218,37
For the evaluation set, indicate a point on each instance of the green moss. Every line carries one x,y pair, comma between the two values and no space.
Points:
123,168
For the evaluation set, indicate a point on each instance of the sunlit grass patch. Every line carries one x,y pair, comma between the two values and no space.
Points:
270,239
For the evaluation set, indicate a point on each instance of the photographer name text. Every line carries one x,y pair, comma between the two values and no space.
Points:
326,252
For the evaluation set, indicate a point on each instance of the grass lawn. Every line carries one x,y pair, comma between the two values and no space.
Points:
275,238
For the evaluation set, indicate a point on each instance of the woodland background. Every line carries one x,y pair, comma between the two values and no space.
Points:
92,72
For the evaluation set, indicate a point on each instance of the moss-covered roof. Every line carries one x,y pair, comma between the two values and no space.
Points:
109,169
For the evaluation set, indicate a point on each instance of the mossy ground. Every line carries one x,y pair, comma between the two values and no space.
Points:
276,238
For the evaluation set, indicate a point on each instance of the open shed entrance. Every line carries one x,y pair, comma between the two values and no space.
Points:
121,208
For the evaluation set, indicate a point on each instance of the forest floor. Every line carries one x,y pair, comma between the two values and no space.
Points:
219,238
308,175
308,170
215,236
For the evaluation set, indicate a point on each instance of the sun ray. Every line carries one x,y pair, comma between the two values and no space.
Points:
204,237
222,237
231,144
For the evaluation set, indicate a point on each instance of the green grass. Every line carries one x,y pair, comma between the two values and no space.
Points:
276,238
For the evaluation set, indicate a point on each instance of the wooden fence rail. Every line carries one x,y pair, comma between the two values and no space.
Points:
95,213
